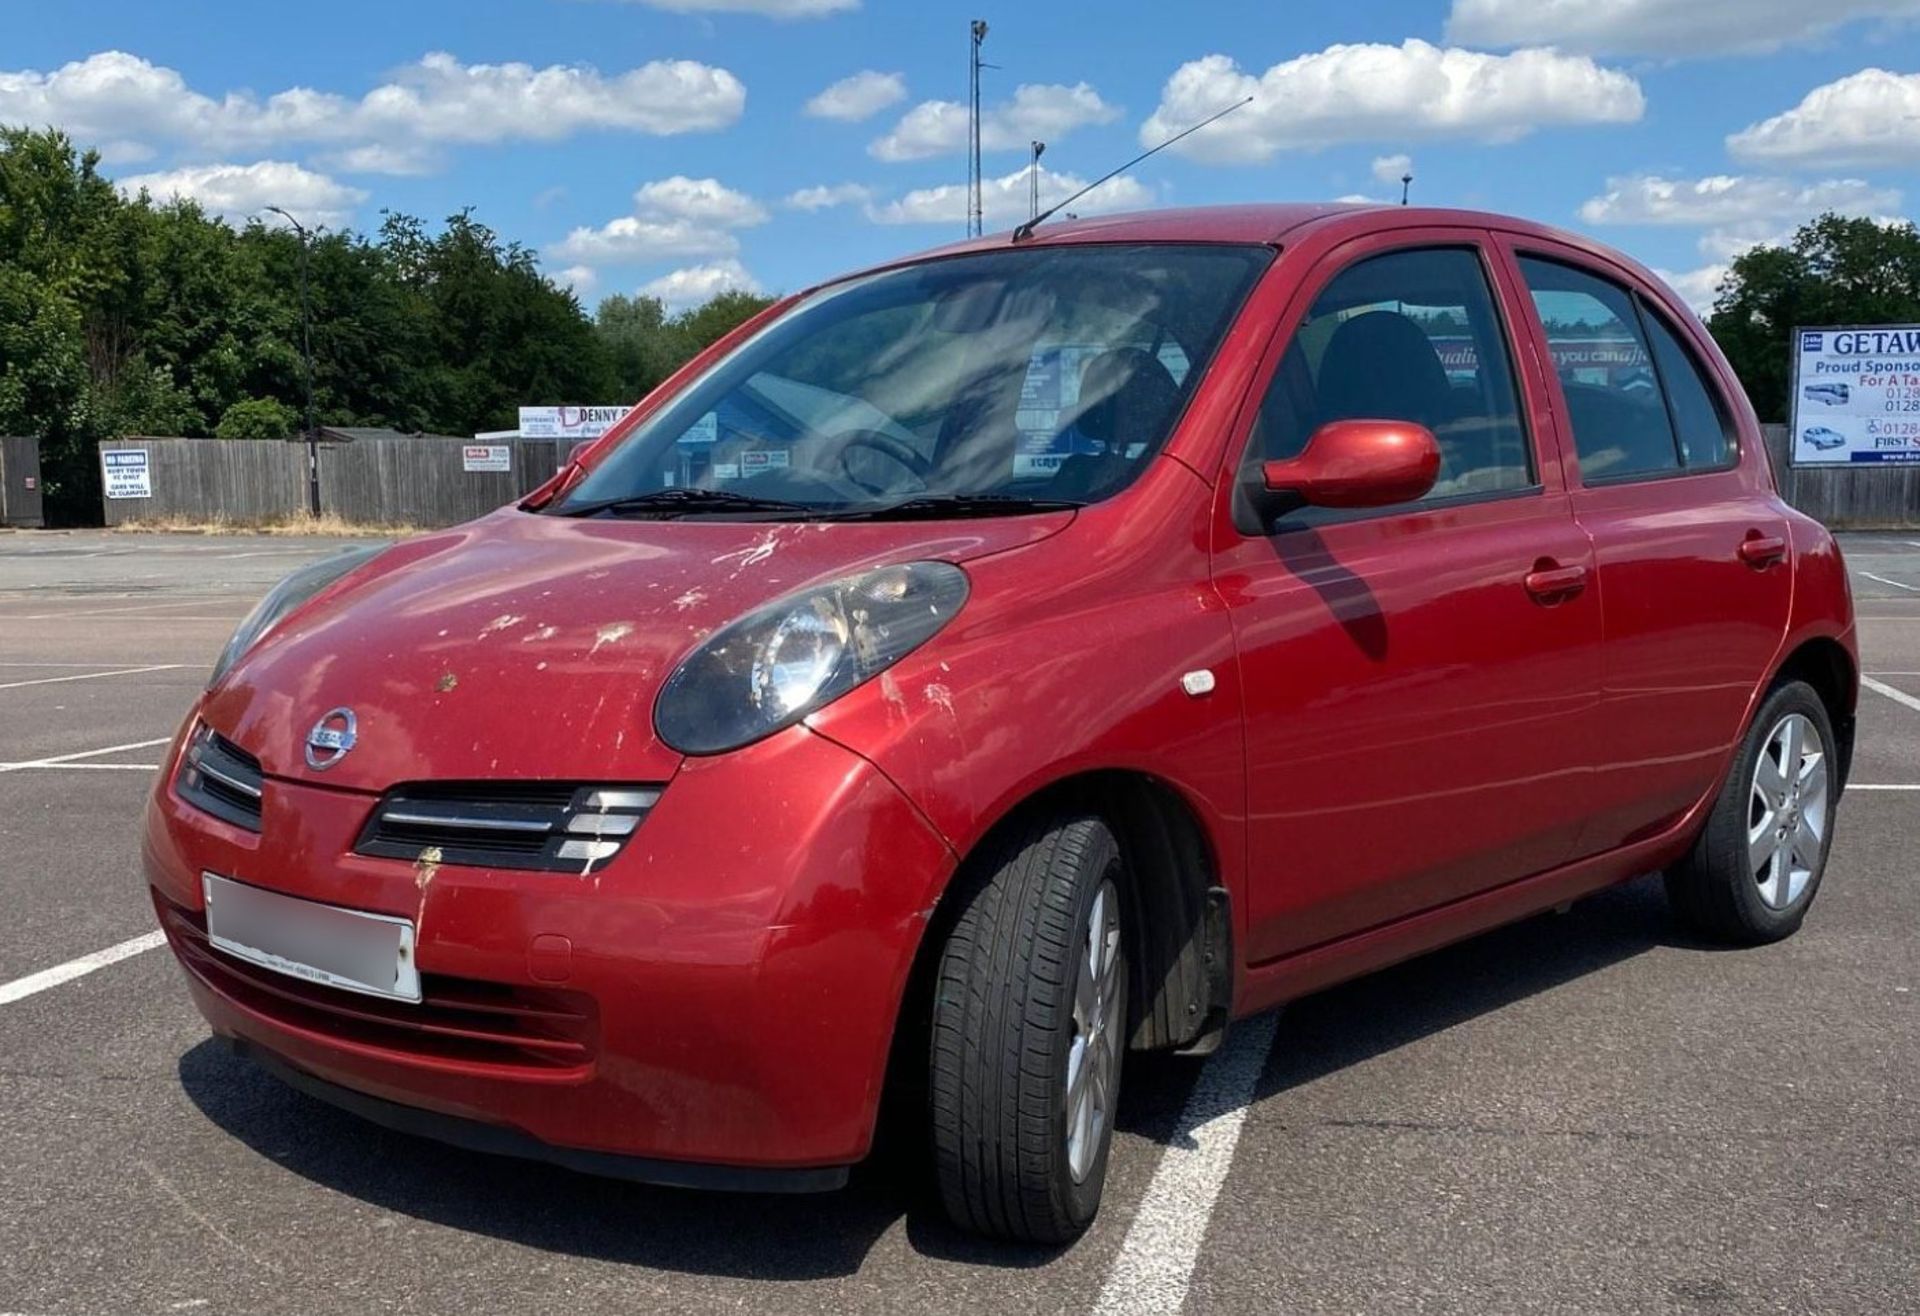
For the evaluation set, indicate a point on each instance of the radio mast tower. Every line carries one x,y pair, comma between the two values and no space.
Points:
976,210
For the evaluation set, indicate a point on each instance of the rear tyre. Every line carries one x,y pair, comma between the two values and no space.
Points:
1756,865
1028,1022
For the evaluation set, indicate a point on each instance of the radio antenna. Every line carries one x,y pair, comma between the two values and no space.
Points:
1026,229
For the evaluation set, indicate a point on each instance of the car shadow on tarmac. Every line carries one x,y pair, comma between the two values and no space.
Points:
805,1237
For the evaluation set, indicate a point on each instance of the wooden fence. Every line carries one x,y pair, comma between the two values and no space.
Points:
423,482
1868,497
404,481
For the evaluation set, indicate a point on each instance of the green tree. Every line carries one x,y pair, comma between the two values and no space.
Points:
120,315
642,344
257,418
1835,271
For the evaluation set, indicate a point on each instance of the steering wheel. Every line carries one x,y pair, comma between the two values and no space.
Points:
887,446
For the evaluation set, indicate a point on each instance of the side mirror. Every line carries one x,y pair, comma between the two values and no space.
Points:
577,451
1354,463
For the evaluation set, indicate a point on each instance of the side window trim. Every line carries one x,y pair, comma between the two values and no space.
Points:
1481,246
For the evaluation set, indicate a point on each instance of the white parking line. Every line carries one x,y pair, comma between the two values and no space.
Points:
57,760
1851,788
21,988
125,612
92,676
1898,696
1913,589
1155,1264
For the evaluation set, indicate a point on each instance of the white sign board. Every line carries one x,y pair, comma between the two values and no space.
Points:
486,457
568,422
1856,395
127,473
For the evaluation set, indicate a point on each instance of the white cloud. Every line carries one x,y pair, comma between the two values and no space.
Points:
858,97
1363,93
1731,199
113,96
701,200
825,197
1392,168
382,158
1005,199
1697,288
1037,111
239,192
671,217
631,239
699,283
771,8
1737,213
1659,27
581,278
1868,118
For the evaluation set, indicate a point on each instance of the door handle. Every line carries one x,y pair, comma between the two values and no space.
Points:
1762,551
1555,584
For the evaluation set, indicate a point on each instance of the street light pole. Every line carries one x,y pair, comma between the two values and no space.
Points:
1033,182
306,356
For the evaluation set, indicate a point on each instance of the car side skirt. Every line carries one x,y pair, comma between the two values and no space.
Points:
1277,981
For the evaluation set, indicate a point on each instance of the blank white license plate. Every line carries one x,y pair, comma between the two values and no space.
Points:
345,948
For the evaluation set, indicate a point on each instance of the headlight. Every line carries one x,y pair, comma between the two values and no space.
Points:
284,598
780,662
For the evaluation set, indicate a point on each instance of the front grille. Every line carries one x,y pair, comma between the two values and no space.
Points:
558,827
218,776
459,1019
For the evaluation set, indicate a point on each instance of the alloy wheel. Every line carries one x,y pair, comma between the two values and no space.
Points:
1093,1058
1787,811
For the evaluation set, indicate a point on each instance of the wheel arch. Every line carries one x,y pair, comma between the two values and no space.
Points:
1180,953
1826,665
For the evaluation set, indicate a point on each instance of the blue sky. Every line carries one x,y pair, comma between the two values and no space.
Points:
680,146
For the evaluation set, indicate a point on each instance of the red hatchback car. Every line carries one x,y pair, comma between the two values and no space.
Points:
976,669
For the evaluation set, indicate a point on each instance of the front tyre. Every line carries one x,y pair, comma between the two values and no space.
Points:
1757,863
1029,1017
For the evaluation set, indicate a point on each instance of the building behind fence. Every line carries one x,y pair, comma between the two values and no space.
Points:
430,481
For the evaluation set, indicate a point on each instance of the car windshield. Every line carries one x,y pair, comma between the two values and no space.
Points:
978,385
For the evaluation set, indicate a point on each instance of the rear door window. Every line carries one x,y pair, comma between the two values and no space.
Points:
1621,428
1639,402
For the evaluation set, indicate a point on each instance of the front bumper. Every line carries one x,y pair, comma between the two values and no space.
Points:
723,993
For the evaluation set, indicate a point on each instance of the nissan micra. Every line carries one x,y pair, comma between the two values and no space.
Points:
980,669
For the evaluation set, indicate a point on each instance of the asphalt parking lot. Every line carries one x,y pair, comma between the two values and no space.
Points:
1584,1112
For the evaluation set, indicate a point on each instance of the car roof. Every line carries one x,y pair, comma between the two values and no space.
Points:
1267,223
1248,223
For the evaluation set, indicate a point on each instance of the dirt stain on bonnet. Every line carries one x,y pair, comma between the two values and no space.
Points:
611,633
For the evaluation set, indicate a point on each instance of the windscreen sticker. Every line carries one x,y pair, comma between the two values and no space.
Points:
704,430
726,470
756,460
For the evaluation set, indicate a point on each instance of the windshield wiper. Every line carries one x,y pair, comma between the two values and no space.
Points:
680,501
934,507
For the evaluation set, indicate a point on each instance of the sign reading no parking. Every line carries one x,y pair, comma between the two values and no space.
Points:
126,473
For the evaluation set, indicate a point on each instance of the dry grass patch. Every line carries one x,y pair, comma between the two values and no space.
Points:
326,524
